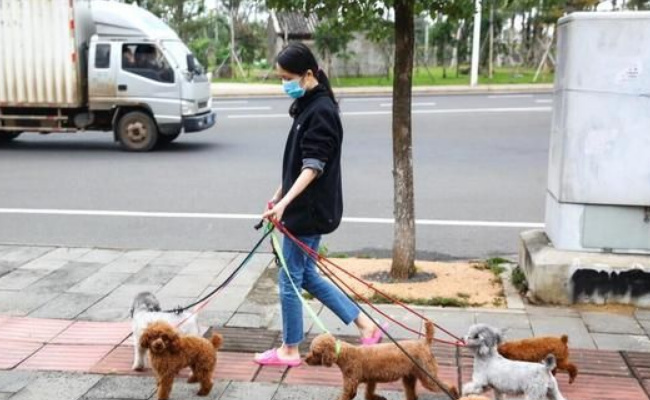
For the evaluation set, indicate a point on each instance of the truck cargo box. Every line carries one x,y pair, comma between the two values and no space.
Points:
41,52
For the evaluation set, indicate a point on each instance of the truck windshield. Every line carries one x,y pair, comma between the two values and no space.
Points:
179,52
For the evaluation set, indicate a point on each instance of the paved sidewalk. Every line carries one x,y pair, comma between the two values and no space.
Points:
275,89
66,309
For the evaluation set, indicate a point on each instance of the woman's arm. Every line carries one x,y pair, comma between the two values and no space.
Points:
307,175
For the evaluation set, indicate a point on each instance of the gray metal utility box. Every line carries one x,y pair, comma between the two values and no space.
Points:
598,196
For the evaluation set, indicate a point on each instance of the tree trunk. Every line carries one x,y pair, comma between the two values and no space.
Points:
404,241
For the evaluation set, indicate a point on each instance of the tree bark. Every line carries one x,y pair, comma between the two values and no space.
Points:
404,240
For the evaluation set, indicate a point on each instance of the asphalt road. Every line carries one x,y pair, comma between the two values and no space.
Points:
480,177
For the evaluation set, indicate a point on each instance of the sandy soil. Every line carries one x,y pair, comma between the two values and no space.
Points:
455,280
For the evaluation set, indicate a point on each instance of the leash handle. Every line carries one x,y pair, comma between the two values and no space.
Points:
259,225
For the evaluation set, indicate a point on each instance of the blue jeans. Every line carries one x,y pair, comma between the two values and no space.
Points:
304,273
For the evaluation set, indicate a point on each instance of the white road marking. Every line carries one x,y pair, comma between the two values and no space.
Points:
188,215
241,108
510,96
544,101
413,104
214,101
388,112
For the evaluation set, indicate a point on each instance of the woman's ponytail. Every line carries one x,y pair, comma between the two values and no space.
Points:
324,80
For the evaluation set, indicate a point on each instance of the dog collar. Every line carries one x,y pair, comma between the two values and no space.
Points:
337,348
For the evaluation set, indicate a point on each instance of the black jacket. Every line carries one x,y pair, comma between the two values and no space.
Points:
316,133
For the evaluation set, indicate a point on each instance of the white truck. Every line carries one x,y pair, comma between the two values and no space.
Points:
76,65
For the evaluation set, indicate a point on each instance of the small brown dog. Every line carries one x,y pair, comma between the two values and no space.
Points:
378,363
170,352
536,350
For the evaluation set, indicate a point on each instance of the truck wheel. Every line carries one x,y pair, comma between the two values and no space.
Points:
164,140
8,137
136,131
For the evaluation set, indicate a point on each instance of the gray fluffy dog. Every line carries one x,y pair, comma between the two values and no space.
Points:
145,310
491,370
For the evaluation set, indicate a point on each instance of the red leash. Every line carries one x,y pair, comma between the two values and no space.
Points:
319,262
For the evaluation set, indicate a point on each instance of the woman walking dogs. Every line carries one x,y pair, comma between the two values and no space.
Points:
309,202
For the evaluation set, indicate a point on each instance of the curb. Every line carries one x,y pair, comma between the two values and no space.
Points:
265,90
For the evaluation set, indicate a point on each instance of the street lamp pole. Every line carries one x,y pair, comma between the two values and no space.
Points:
476,40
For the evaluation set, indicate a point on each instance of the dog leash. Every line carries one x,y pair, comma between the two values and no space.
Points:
320,262
226,282
274,241
277,250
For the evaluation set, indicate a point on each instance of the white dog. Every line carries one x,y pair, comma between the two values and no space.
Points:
534,380
145,310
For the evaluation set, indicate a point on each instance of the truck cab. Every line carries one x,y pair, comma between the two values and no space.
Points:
102,65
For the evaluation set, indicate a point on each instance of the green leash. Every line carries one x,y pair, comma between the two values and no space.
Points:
283,263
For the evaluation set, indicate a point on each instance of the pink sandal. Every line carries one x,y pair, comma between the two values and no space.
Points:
270,357
376,337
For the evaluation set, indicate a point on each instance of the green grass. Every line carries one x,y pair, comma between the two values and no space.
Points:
519,280
435,301
432,78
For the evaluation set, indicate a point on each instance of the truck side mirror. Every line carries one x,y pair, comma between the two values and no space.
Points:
191,65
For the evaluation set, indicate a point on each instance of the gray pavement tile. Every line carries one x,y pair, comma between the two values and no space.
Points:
517,334
14,381
154,275
250,273
579,336
23,254
103,256
179,257
22,303
228,299
66,306
187,391
19,279
122,387
551,311
5,268
243,320
642,315
125,265
206,266
44,263
66,253
227,255
100,283
65,277
609,341
646,326
249,390
186,286
287,392
146,255
57,386
5,396
453,320
611,323
214,318
115,306
504,321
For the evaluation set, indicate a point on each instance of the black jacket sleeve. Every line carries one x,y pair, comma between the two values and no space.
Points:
321,139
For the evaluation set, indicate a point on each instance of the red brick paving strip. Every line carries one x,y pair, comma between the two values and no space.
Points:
604,375
96,333
32,329
58,357
13,353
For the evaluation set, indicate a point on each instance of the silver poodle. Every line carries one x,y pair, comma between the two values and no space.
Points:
491,370
145,310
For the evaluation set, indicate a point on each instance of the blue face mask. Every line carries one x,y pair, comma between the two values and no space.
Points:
292,88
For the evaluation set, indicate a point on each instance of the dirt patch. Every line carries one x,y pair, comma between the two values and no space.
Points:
459,284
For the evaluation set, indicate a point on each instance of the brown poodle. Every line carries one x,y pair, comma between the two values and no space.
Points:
378,363
170,352
536,350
